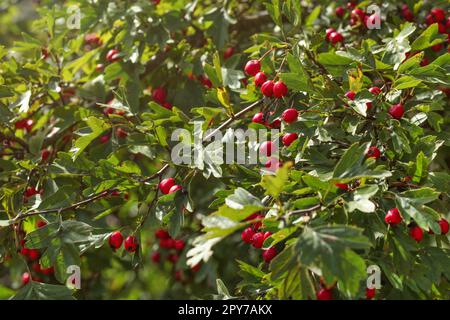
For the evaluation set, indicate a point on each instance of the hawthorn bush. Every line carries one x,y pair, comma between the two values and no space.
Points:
88,178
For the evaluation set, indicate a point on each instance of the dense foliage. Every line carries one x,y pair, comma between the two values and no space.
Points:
87,176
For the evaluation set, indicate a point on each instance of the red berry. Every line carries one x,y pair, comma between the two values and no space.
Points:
156,257
336,37
104,139
196,268
328,32
325,294
159,95
393,217
175,188
252,67
168,105
444,226
178,275
342,186
289,115
44,53
269,254
437,47
121,133
373,152
130,244
26,124
255,216
260,78
340,11
113,55
24,251
34,254
396,111
30,192
257,240
280,89
375,90
41,223
258,118
45,154
37,267
370,293
247,235
266,148
92,39
115,240
407,14
179,244
416,233
48,271
25,278
441,28
167,243
228,53
166,184
173,258
99,67
288,138
358,14
430,19
438,14
162,234
267,88
276,124
206,81
351,95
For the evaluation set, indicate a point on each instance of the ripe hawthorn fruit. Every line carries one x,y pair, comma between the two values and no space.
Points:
166,184
290,115
131,244
115,240
393,217
252,67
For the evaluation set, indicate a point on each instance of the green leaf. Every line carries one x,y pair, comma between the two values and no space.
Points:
274,184
43,291
428,38
97,127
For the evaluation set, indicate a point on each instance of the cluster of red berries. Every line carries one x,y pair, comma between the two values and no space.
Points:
173,248
168,186
393,218
326,292
32,256
269,88
332,36
26,124
159,95
438,15
116,239
254,236
166,242
396,111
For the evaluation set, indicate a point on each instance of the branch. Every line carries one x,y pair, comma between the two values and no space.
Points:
232,118
306,211
59,210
